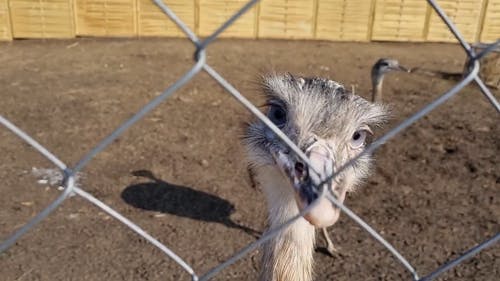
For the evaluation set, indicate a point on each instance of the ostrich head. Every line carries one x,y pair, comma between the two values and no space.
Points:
329,124
379,69
383,66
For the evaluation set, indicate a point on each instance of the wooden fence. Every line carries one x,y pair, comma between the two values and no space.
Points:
341,20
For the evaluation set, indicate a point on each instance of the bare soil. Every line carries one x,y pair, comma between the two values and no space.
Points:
434,194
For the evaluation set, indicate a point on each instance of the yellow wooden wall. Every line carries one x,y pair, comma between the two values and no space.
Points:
106,17
213,13
344,20
286,19
402,20
491,22
151,20
5,29
466,14
41,18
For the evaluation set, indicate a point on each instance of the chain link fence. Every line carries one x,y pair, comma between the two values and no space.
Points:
471,75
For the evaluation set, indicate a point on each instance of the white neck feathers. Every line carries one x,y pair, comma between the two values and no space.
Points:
289,255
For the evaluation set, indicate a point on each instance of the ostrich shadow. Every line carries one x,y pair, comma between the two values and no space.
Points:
160,196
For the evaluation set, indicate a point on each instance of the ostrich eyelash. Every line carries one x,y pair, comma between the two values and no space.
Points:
275,103
367,129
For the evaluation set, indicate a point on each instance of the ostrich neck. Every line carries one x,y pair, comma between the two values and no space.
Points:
289,255
377,88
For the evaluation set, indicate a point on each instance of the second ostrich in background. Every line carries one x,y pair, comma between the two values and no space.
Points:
330,125
379,69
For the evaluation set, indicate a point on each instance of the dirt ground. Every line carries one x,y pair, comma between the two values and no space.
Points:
179,173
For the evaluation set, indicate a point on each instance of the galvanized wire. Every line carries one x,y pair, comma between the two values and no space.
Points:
201,64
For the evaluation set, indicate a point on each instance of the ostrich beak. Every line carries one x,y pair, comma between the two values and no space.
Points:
303,180
401,68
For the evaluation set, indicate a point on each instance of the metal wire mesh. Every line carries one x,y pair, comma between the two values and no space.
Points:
201,65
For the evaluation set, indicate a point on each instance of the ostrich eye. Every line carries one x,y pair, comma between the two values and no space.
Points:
277,115
359,138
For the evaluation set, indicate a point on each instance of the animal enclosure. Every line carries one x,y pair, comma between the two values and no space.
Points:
344,20
179,173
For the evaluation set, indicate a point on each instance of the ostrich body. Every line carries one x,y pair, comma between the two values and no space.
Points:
330,125
379,69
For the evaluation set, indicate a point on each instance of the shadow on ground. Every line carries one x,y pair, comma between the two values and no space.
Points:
161,196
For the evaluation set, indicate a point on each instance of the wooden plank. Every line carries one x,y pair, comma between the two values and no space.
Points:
287,19
213,13
115,18
399,20
465,14
5,29
347,20
152,21
491,25
41,19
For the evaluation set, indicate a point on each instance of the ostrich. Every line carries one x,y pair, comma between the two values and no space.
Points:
331,126
379,69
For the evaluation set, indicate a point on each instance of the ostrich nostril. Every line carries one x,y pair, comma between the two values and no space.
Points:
300,171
